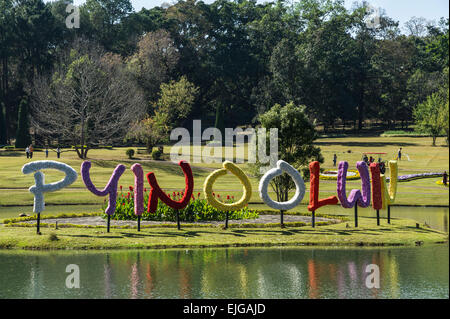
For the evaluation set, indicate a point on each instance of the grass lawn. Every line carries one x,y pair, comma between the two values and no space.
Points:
400,232
422,158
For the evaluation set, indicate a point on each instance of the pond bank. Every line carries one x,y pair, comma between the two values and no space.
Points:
401,232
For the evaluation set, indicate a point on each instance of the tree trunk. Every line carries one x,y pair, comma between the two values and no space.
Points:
82,138
149,147
5,88
78,152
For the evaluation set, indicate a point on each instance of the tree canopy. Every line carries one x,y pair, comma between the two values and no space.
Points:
242,57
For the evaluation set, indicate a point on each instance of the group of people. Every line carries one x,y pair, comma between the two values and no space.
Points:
368,161
29,152
372,159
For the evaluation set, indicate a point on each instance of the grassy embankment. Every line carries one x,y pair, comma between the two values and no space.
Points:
14,190
400,232
423,157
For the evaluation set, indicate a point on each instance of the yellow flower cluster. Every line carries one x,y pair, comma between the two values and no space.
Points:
389,194
333,178
207,187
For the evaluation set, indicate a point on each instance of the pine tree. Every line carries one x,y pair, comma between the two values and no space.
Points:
220,124
2,126
23,138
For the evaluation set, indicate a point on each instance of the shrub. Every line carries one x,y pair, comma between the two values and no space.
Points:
156,154
130,153
53,237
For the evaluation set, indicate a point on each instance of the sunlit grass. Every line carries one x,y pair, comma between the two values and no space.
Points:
400,232
422,157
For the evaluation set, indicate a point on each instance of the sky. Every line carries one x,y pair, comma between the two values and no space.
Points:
399,10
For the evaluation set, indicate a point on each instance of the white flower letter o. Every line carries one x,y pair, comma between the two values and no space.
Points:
282,166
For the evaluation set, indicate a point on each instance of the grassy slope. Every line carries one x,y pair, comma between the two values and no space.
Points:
400,232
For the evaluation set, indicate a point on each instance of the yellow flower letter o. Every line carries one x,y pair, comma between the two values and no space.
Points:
207,187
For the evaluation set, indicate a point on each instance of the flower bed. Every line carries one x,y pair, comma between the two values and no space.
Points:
411,177
197,210
352,174
440,182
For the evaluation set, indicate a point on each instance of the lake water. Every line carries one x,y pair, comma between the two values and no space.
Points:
416,272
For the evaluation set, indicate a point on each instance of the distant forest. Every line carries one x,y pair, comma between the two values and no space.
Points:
224,63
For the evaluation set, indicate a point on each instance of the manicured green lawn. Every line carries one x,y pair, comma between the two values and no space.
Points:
422,157
400,232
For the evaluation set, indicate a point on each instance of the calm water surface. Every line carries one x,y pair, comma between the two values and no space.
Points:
416,272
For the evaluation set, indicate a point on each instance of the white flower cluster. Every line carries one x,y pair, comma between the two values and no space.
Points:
40,187
282,166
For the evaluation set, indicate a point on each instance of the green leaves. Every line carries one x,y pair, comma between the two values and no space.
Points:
432,115
197,210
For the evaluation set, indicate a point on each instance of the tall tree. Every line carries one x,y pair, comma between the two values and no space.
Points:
7,45
154,62
2,125
23,138
105,17
176,99
428,115
37,35
91,100
296,136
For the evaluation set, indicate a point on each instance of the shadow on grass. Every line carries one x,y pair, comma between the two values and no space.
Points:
288,231
370,145
165,166
11,154
90,236
242,232
144,234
